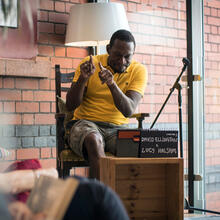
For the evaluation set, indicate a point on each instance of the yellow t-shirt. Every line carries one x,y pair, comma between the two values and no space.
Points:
98,104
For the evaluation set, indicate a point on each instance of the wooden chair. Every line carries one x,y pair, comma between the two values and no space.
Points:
66,158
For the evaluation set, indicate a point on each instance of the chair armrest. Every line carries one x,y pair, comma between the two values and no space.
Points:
140,117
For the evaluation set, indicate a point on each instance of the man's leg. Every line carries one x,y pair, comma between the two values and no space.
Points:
93,143
86,140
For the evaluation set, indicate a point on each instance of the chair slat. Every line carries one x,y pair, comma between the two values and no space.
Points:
66,78
64,89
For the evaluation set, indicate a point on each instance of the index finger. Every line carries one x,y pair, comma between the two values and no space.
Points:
101,67
90,59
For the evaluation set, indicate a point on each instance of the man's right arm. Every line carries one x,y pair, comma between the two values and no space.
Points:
75,94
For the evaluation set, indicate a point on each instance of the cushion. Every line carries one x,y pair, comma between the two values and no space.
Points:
63,109
4,153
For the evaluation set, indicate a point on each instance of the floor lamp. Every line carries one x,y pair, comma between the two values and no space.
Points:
92,24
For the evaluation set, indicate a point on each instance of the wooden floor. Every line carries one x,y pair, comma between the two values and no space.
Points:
202,217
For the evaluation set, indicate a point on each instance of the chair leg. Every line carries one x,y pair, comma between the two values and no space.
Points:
66,172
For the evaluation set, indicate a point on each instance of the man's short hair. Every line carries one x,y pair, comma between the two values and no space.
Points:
122,35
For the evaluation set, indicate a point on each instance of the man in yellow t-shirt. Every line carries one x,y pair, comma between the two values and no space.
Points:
106,90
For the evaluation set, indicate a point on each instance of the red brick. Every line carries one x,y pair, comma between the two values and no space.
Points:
182,34
2,67
161,60
44,84
180,24
45,27
21,83
170,23
60,28
60,51
76,52
27,107
44,107
169,13
29,153
27,119
27,96
47,4
53,107
214,48
54,150
43,38
48,163
10,119
214,12
39,58
214,21
45,152
45,50
76,62
10,95
60,6
207,11
57,39
52,84
180,43
8,83
9,106
44,96
68,6
44,119
79,171
58,17
1,106
1,83
214,38
43,16
132,7
75,1
64,62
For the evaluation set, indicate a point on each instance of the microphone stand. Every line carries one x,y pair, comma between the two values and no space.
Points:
187,206
177,86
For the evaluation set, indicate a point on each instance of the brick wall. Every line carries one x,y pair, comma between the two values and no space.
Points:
28,103
27,94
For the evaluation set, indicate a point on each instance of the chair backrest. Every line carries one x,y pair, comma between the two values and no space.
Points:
63,81
62,84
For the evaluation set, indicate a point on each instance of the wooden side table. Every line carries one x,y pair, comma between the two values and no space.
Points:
150,188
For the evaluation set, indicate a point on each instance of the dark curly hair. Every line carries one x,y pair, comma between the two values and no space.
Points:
122,35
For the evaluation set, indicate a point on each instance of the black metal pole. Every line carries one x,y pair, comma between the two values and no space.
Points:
179,88
190,105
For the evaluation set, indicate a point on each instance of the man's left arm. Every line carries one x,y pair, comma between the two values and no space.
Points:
125,103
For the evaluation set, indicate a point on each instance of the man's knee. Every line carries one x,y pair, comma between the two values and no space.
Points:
94,144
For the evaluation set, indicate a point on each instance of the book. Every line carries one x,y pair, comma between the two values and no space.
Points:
52,196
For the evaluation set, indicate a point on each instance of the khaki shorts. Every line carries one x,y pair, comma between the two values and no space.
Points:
82,128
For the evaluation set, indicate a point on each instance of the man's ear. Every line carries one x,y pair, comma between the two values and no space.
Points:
108,48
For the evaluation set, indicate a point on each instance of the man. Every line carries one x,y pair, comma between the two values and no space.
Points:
105,91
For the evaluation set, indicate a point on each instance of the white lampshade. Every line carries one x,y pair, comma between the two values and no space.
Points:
92,24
